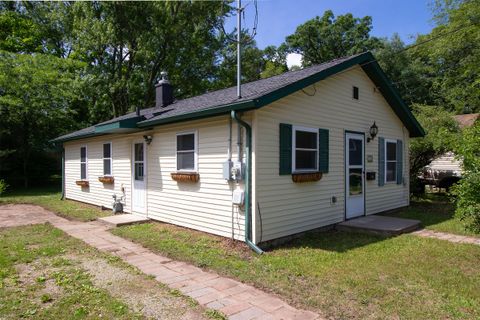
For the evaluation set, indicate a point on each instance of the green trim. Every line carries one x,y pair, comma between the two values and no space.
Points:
112,127
81,136
224,109
392,96
285,144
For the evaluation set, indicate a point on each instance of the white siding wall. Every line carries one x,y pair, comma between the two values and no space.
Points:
205,206
98,193
286,207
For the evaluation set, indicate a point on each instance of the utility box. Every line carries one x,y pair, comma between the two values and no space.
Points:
227,170
238,197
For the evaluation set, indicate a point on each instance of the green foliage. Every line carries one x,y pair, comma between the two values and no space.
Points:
467,191
40,95
451,61
441,131
3,186
328,37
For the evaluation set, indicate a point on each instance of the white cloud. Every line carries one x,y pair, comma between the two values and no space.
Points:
294,59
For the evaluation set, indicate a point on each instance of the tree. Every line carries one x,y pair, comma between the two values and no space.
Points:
441,131
328,37
275,61
128,44
451,58
408,73
467,191
38,95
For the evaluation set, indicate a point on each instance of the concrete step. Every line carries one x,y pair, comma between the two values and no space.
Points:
123,220
387,226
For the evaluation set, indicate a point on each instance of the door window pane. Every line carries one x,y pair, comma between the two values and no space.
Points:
355,181
138,151
139,171
355,152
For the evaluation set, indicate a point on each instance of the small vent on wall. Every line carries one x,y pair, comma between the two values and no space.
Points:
355,93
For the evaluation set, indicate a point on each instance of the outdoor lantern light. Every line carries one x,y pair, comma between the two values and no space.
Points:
373,132
148,139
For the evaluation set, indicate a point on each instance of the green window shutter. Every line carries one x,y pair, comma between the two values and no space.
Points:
381,162
323,155
285,149
399,161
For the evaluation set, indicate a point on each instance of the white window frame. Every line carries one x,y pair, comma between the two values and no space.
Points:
195,150
86,162
294,148
111,159
387,161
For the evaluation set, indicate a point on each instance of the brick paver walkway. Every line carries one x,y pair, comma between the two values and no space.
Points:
446,236
233,298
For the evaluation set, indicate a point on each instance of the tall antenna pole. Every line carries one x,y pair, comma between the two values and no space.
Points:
239,54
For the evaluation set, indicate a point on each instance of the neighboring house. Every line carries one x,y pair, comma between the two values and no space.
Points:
308,158
445,170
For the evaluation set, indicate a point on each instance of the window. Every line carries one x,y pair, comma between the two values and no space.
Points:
83,163
355,93
107,159
305,149
186,151
390,161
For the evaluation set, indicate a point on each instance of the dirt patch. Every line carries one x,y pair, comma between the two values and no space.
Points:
141,294
35,275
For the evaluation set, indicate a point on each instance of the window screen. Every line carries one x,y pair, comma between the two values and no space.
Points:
83,163
391,161
107,159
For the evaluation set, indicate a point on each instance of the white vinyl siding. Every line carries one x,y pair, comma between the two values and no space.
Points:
287,207
205,205
98,193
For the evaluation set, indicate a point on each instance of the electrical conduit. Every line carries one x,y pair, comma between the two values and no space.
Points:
248,174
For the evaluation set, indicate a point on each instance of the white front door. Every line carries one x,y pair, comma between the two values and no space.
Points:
354,175
139,175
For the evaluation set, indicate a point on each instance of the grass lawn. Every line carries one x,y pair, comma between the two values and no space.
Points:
341,275
50,200
45,274
436,212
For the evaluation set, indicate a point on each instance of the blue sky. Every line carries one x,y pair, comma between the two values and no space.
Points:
279,18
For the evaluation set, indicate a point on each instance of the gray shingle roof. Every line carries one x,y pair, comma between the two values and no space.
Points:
215,102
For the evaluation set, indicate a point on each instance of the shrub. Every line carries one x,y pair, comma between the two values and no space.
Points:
467,191
3,186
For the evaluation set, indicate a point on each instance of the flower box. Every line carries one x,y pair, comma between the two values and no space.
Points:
306,177
106,179
82,183
185,176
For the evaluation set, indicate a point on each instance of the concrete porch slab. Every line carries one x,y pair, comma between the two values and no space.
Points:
123,220
388,226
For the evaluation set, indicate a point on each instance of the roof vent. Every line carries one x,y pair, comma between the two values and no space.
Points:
163,91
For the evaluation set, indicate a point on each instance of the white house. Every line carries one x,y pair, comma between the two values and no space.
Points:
295,153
